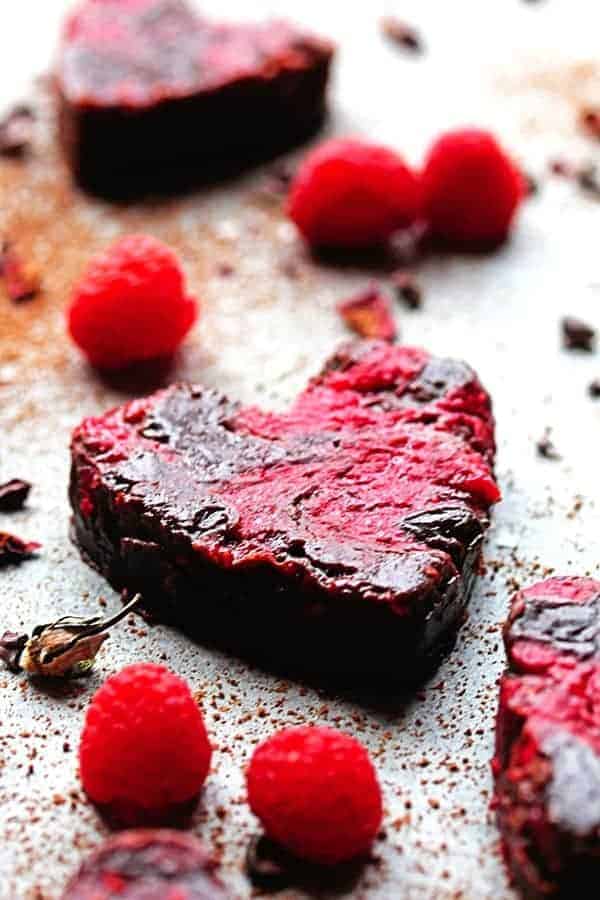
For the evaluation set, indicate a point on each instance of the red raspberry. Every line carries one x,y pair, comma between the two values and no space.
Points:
471,189
316,793
144,752
350,193
131,305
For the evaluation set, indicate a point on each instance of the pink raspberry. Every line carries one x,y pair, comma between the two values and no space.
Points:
350,193
316,793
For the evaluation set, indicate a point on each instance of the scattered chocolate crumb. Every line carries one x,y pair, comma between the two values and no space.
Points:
589,118
407,288
225,269
401,33
589,180
532,186
66,747
22,281
577,335
561,167
546,448
16,131
13,495
594,388
13,550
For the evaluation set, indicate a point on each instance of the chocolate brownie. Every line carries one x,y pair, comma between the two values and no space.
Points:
341,536
547,763
153,96
147,865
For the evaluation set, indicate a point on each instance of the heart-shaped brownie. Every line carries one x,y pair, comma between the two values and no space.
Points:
342,535
153,95
547,764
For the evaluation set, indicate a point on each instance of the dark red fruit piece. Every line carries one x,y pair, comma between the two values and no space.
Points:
351,193
144,753
147,865
13,495
471,189
547,763
13,550
369,314
131,304
361,510
316,793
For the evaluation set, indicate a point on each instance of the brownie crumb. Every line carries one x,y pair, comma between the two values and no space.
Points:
589,119
589,180
16,131
13,495
577,335
402,34
21,280
407,289
546,448
532,186
594,388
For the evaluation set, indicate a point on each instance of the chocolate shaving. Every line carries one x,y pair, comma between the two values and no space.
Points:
577,335
546,448
16,131
13,550
407,289
21,280
13,495
402,34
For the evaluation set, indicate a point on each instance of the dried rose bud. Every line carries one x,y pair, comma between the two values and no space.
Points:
66,648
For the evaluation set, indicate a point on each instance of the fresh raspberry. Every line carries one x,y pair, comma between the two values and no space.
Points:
316,793
471,189
349,193
131,304
144,752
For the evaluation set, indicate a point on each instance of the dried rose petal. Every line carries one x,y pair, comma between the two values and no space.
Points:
14,550
407,288
13,495
369,314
